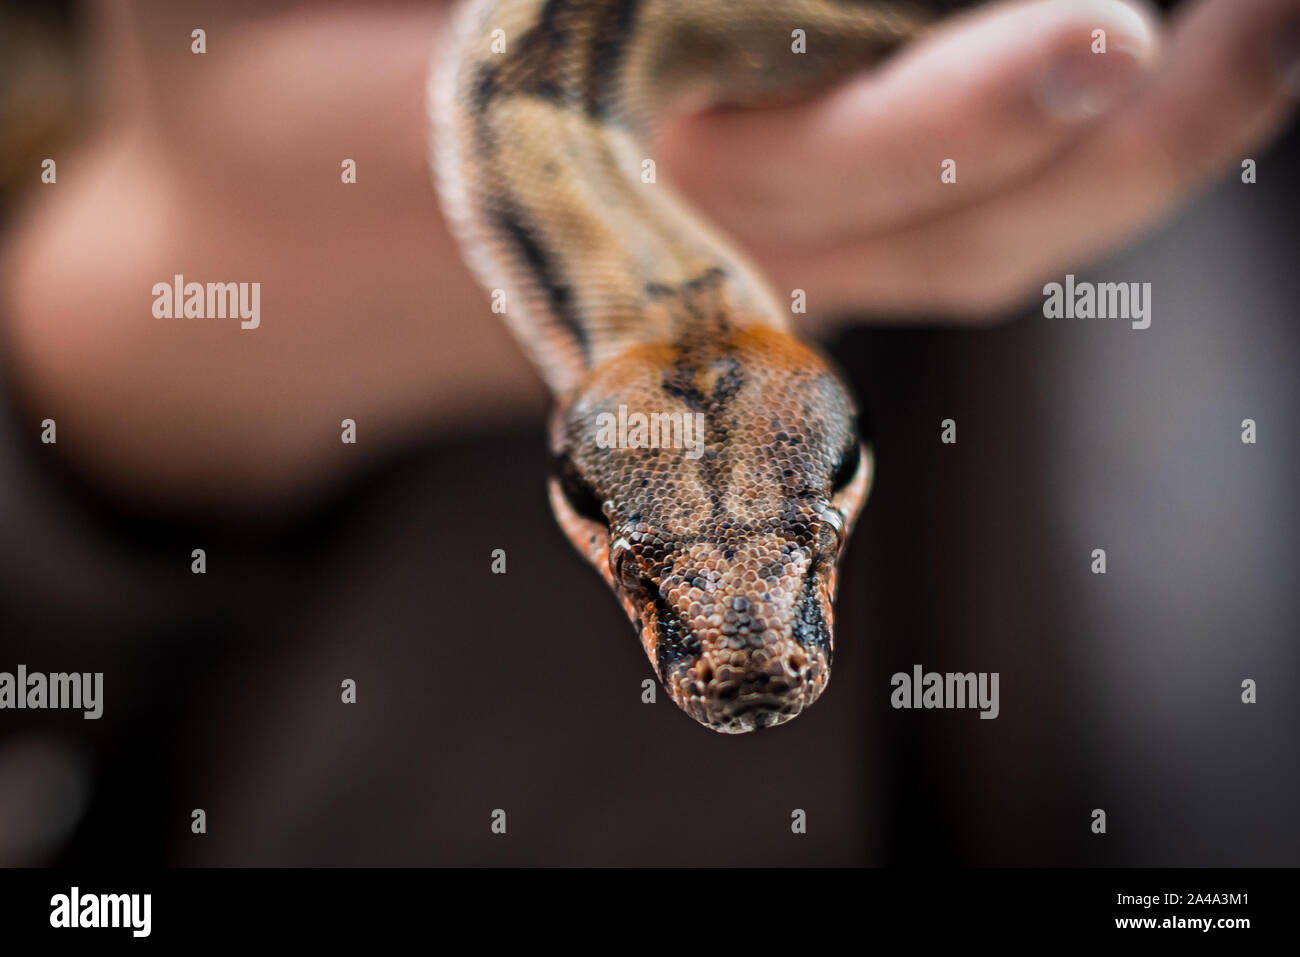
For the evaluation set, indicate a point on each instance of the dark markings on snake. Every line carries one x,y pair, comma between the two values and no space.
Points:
810,631
728,385
545,271
675,643
711,278
708,279
532,67
613,28
679,381
529,69
485,89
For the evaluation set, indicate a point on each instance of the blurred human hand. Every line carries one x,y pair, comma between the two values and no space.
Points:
1060,152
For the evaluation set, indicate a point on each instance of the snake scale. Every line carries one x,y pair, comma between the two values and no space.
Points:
725,558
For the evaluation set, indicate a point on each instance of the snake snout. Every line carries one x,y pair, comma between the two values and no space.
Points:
739,691
739,656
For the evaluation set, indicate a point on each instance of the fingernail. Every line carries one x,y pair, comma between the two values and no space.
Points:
1084,84
1286,57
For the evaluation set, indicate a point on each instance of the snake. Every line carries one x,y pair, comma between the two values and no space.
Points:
633,308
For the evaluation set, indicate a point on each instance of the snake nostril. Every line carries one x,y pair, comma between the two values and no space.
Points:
796,663
705,672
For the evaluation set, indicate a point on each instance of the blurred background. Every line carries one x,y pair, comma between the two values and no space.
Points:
523,691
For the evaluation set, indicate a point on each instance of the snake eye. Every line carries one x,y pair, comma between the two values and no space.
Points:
847,467
623,564
581,497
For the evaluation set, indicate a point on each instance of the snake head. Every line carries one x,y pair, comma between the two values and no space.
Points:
719,524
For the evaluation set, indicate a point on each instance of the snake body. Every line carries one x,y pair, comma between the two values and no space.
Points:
725,556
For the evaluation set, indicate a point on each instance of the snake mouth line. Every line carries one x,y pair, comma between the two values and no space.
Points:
751,711
758,710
